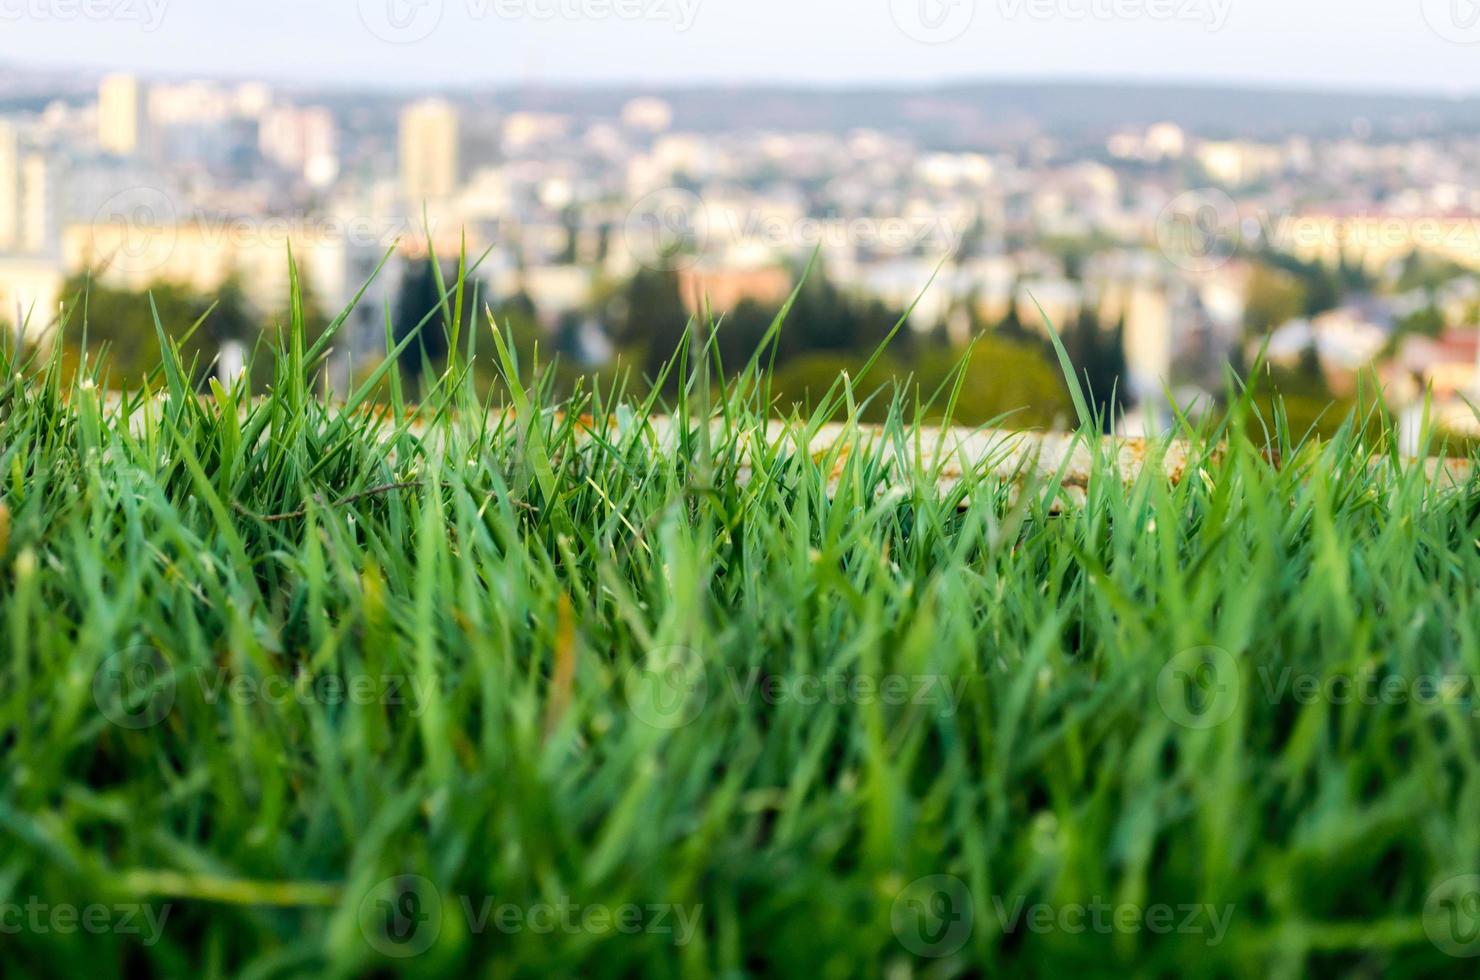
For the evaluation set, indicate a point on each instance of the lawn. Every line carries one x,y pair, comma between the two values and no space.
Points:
300,687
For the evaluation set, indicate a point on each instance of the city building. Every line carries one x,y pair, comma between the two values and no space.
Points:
302,141
1376,238
38,204
1237,162
706,289
1150,329
574,194
1447,365
30,290
524,132
1344,340
122,115
648,115
202,254
429,157
10,185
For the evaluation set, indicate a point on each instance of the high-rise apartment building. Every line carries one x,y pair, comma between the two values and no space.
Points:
429,151
10,177
37,205
122,117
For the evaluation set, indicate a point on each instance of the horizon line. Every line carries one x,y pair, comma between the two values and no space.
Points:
844,86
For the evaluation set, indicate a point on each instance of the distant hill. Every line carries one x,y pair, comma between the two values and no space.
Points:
948,115
974,112
30,89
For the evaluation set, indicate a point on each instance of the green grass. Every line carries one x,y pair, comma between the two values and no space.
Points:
311,687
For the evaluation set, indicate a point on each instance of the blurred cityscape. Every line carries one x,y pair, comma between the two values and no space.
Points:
1166,249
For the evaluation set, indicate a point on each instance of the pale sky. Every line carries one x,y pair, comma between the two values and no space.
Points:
1397,45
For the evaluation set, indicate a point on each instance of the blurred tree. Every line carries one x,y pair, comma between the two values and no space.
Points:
516,318
418,297
1098,356
1427,322
1352,276
1011,327
1275,297
1321,285
1308,368
650,319
570,224
233,317
1427,272
1002,378
824,318
741,331
123,321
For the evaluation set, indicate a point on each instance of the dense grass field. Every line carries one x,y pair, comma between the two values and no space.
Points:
305,688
